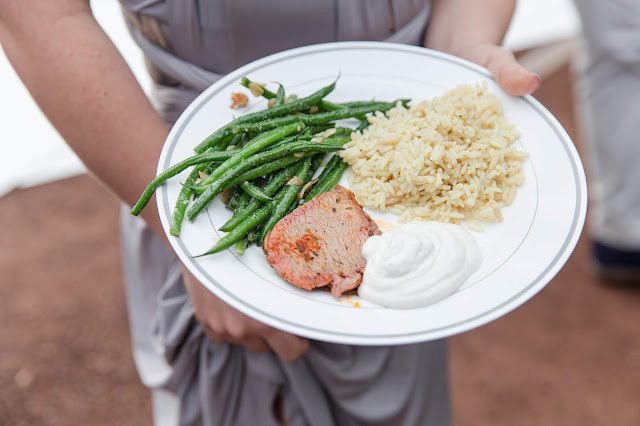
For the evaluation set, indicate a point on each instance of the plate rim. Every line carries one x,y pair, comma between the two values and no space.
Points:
543,278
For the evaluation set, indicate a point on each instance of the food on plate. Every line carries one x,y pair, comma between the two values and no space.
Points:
264,162
319,243
448,159
239,100
417,264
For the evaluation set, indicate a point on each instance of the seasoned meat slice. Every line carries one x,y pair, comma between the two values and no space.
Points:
319,243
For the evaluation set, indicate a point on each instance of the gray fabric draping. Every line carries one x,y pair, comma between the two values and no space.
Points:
221,384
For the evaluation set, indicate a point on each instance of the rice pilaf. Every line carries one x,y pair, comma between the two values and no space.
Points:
448,159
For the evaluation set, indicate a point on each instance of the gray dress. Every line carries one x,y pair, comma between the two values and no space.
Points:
195,381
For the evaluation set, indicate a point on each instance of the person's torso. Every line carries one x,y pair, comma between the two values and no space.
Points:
222,35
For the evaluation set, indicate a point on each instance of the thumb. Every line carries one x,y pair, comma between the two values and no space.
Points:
509,74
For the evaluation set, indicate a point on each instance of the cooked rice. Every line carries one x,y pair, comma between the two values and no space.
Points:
448,159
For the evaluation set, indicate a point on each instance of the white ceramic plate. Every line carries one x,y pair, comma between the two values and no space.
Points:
521,254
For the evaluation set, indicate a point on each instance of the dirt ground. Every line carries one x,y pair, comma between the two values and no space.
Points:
570,356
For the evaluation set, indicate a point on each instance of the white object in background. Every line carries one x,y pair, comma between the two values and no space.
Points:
538,22
32,152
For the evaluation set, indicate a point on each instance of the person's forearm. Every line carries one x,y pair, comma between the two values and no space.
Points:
457,24
85,88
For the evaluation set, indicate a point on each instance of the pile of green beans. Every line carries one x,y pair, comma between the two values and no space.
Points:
266,161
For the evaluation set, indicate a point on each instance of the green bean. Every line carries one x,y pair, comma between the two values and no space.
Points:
339,141
330,165
253,235
269,177
306,137
236,193
242,202
267,94
240,231
280,95
285,141
340,131
328,106
316,160
264,169
216,186
281,162
230,167
286,199
255,163
315,163
264,158
211,167
185,193
363,125
355,104
276,111
241,245
258,143
251,164
327,181
272,186
255,192
183,200
322,117
236,141
174,170
318,128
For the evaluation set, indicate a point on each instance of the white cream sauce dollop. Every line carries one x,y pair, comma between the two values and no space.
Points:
417,264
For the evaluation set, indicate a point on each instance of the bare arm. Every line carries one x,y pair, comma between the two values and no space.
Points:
474,29
85,88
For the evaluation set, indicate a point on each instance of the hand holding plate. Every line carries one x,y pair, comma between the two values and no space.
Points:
510,75
222,323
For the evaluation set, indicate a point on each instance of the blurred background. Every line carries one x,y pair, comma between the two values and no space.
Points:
570,356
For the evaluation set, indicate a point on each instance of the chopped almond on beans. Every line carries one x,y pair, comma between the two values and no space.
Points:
202,177
256,89
239,100
305,188
295,181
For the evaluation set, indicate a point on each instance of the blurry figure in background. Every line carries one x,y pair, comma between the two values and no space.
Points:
609,97
207,363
